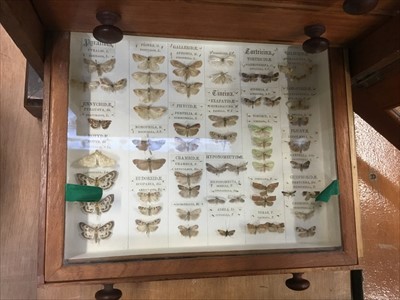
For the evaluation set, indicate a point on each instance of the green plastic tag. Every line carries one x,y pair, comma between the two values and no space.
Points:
330,190
82,193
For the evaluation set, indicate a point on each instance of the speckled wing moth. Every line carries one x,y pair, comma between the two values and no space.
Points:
221,60
263,201
188,192
304,232
149,164
96,159
85,85
186,146
299,145
220,121
297,120
150,112
299,165
223,137
149,210
188,178
147,227
252,102
226,233
216,200
301,104
100,68
271,102
105,182
263,167
265,189
215,170
267,78
95,123
149,196
149,95
186,88
186,130
148,62
149,78
221,78
98,232
276,227
236,199
257,228
109,86
310,195
102,206
289,193
249,77
304,215
186,70
188,215
190,231
236,168
261,154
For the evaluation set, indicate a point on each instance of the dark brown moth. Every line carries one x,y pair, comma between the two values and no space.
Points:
95,123
263,201
215,170
186,130
226,233
300,166
265,189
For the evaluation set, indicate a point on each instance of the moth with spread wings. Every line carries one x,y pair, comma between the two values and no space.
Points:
102,206
149,95
151,196
85,85
221,121
149,210
150,112
215,170
188,215
306,232
190,231
226,233
188,178
189,191
221,60
265,189
149,144
236,168
98,232
300,165
263,201
96,124
186,146
149,78
223,138
105,182
221,78
252,102
186,88
96,159
149,164
257,228
186,70
100,68
147,227
148,62
186,130
109,86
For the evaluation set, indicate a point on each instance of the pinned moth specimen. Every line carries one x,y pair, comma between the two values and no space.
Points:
85,85
186,88
100,68
150,112
149,78
276,227
186,130
310,195
252,102
149,95
149,210
149,164
237,169
306,232
109,86
299,145
263,167
149,144
304,215
221,60
186,70
263,201
216,200
265,189
261,131
267,78
148,62
272,102
96,159
190,231
226,233
98,232
289,72
188,178
95,123
149,196
261,154
289,193
220,121
186,146
147,227
224,138
188,192
236,199
249,77
188,215
215,170
299,165
257,228
297,120
105,182
301,104
102,206
221,78
263,142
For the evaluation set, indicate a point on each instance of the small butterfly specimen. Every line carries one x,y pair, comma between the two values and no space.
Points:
304,215
272,102
186,146
261,131
297,120
84,85
100,68
267,78
289,193
216,200
226,233
300,166
109,86
188,192
149,196
220,121
96,159
190,231
149,78
263,167
147,227
224,138
149,164
188,215
299,145
236,199
95,123
149,95
263,142
257,228
149,144
249,77
148,62
102,206
188,178
276,227
263,201
261,154
301,104
221,78
186,88
186,130
215,170
149,210
105,182
252,102
304,232
150,112
186,70
310,195
236,168
221,60
266,189
98,232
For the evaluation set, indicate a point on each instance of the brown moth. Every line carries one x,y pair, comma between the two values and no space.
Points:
276,227
186,70
148,62
257,228
186,130
149,164
150,112
221,60
102,206
306,232
149,78
216,200
299,145
220,121
188,192
186,88
300,104
188,215
304,215
310,195
215,170
263,167
85,85
226,233
98,232
252,102
190,231
249,77
188,178
289,193
266,189
100,68
263,201
223,137
272,102
297,120
95,123
221,78
149,95
299,165
261,154
96,159
267,78
236,168
109,86
236,199
149,196
149,210
186,146
105,182
147,227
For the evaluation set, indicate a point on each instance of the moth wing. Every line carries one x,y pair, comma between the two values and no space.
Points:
88,207
103,160
85,180
143,111
259,200
138,58
157,163
107,66
105,231
252,228
107,181
183,214
88,232
88,161
154,62
105,204
222,232
194,88
156,112
194,214
91,65
94,123
157,78
141,164
141,77
185,231
193,129
120,84
272,186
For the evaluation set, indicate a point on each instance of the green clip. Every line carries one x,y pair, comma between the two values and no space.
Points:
330,190
82,193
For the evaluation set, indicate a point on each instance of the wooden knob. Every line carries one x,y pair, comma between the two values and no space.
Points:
107,32
315,43
359,7
297,282
108,293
